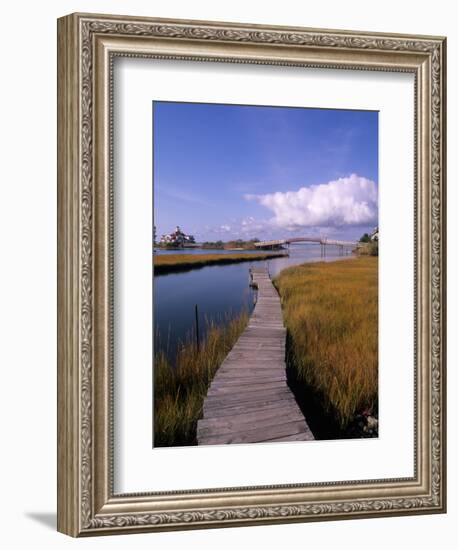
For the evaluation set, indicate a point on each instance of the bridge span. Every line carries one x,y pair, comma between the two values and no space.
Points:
323,241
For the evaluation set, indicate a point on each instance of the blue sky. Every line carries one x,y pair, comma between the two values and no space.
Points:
229,171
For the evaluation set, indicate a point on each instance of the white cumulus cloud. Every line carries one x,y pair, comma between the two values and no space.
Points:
347,201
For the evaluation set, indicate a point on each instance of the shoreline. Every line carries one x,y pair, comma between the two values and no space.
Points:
172,263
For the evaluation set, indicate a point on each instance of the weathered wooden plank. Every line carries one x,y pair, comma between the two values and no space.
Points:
245,363
223,389
229,381
276,351
252,339
244,384
240,423
249,407
264,393
239,355
252,352
211,411
248,415
262,434
253,369
214,410
213,400
234,380
263,332
250,376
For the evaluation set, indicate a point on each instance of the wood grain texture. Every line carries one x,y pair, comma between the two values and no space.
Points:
249,400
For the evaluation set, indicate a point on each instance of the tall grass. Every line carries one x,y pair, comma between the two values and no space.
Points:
180,388
168,263
368,249
331,313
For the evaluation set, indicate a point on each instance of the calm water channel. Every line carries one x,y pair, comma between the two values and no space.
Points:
219,291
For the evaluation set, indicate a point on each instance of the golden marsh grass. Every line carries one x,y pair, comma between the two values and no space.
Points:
331,313
167,263
180,389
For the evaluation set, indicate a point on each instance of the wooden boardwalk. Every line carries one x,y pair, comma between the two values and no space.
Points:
249,400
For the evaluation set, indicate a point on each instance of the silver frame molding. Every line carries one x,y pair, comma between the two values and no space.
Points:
87,45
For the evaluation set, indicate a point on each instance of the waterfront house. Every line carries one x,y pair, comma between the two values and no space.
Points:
374,235
177,239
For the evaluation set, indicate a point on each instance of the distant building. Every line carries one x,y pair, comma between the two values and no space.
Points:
177,238
374,235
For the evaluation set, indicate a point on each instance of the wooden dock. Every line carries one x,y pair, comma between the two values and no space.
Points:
249,400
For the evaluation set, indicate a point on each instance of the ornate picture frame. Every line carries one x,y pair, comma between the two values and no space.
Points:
87,46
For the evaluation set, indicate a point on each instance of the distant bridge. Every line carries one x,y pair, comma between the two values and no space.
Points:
323,241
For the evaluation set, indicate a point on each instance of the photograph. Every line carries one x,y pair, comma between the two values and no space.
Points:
265,287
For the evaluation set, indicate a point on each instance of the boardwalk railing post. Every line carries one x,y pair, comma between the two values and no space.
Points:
197,328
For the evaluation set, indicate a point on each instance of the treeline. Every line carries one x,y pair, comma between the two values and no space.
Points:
369,249
239,243
368,246
174,246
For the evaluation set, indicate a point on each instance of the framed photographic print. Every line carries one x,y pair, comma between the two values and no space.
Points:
251,281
